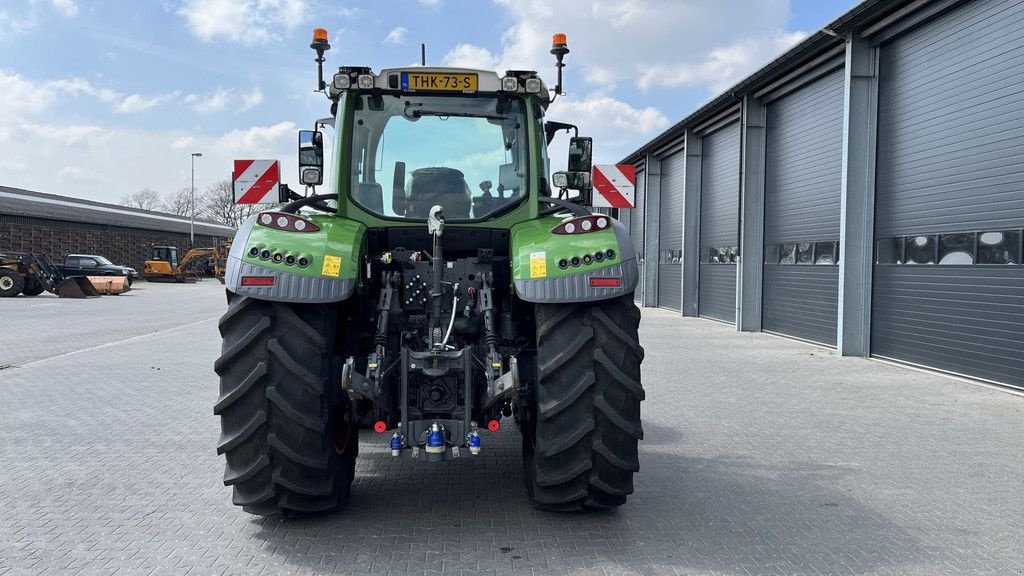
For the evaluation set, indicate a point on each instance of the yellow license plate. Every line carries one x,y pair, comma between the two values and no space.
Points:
438,82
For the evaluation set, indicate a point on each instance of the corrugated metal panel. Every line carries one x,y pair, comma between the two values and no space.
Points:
803,187
804,164
951,159
718,292
720,188
719,220
965,319
951,124
801,301
670,234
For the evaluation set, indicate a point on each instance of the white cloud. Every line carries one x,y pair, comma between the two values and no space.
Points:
615,41
258,138
469,56
223,99
67,135
251,99
66,7
215,102
183,142
21,97
723,66
396,36
72,173
135,103
79,86
616,126
431,3
244,21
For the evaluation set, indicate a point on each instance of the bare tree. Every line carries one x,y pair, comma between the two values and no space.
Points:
179,203
218,203
146,199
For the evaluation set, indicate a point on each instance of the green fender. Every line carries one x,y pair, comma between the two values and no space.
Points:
538,255
332,255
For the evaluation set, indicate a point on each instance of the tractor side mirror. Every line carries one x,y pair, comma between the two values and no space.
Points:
577,177
580,154
311,157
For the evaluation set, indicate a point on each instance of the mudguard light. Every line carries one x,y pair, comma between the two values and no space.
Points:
287,222
582,225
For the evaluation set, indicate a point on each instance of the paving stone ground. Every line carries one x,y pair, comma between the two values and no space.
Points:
761,456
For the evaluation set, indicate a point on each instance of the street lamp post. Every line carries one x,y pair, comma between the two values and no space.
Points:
192,202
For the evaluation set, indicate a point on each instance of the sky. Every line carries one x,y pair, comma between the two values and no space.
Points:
101,98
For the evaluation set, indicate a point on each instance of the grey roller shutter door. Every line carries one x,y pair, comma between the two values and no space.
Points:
719,223
636,227
670,234
950,189
803,186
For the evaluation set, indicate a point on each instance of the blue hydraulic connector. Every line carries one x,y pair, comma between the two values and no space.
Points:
474,443
396,444
435,441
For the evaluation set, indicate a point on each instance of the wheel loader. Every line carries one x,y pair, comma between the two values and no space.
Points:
441,288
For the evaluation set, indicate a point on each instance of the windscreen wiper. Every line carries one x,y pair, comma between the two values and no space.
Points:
421,113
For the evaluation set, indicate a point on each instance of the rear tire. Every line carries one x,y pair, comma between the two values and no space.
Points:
286,431
11,283
580,439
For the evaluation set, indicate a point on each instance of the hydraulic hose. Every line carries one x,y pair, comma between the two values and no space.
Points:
455,302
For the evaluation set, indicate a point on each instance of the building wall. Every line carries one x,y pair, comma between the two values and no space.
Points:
896,178
125,246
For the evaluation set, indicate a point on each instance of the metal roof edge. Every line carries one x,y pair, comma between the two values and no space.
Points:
84,204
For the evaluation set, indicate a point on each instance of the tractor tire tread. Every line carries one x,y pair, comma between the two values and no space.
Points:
278,408
583,451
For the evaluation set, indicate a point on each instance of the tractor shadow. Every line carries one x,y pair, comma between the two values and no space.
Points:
688,515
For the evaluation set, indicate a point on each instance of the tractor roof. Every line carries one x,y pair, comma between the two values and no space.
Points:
433,79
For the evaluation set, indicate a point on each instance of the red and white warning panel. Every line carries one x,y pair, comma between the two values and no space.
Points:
614,184
256,181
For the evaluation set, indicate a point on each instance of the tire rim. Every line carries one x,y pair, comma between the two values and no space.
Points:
6,283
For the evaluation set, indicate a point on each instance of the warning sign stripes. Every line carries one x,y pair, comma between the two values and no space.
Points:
614,184
256,181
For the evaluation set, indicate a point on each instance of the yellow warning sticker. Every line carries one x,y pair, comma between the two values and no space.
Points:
332,266
538,264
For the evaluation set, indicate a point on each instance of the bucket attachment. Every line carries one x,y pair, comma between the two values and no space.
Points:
110,285
76,287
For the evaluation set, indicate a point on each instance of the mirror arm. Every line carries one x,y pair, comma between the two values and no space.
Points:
572,207
315,201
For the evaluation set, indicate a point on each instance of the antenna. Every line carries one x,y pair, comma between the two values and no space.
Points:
423,54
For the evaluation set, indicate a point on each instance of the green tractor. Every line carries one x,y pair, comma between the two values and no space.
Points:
422,299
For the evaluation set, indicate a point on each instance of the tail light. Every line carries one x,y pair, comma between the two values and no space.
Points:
582,225
287,222
257,280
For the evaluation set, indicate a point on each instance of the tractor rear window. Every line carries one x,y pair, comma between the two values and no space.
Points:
409,153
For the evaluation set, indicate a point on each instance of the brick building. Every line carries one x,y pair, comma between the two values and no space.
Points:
59,225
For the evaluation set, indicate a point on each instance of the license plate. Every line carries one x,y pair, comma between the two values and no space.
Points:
438,82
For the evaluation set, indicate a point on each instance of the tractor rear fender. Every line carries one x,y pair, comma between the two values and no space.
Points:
558,268
292,266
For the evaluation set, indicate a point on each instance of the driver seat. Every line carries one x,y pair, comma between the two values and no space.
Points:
446,187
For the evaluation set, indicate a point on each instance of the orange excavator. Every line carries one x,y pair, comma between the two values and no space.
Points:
165,266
